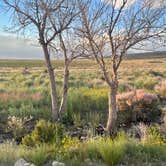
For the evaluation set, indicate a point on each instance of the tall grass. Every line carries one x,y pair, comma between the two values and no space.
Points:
109,151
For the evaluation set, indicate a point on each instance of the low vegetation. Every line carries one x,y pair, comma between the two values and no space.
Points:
26,130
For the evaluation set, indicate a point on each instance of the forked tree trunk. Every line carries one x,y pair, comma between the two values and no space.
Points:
65,88
54,96
112,116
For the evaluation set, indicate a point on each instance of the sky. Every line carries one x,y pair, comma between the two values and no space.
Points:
13,46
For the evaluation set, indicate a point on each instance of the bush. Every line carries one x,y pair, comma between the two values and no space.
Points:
137,106
110,151
155,136
38,155
85,100
3,120
29,110
10,153
146,83
44,132
147,134
161,89
144,154
16,126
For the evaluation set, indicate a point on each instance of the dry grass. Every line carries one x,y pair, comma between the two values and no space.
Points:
20,96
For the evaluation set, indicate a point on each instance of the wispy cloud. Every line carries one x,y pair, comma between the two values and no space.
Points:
155,3
119,3
152,3
20,48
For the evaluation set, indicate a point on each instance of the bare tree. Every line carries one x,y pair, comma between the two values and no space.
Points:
110,28
69,50
48,19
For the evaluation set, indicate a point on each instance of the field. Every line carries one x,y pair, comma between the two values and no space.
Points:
25,97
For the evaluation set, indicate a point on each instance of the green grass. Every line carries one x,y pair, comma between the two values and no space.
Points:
121,150
41,63
25,95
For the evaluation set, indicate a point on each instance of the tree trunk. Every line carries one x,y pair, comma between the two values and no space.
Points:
65,88
54,96
112,116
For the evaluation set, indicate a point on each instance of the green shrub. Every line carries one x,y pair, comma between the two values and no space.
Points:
44,132
16,126
145,154
29,110
67,118
3,120
161,89
146,83
38,155
10,153
154,136
110,151
83,100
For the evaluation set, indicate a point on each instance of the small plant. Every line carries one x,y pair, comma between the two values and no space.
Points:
138,131
67,118
38,155
161,89
146,83
3,120
16,125
110,151
44,132
154,136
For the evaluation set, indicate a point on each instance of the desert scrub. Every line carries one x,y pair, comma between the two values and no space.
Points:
136,105
39,155
155,136
145,83
44,132
161,89
109,151
16,125
144,154
3,120
29,109
85,99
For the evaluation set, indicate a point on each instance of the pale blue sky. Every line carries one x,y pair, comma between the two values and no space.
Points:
14,47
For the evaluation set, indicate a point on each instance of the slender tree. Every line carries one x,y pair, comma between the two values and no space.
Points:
48,19
110,28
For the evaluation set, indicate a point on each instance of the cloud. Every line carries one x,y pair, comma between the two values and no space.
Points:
120,2
155,3
12,47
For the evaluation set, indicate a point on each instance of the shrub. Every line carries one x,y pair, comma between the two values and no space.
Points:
110,151
38,155
16,125
67,118
83,100
146,83
3,120
144,154
124,87
137,105
10,153
133,97
161,89
29,110
155,136
44,132
148,134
